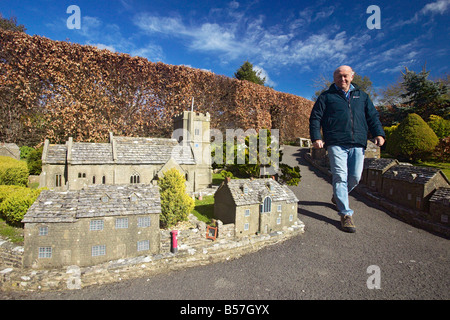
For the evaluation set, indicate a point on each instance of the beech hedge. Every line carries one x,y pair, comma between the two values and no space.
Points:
56,89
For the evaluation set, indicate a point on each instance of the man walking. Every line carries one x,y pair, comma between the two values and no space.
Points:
346,114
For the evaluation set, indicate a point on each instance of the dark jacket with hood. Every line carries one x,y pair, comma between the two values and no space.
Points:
344,122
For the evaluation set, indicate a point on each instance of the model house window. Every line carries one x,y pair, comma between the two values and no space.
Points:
58,180
95,225
81,175
135,178
143,245
267,205
143,222
247,213
121,223
98,250
43,231
279,208
104,179
291,218
279,220
45,252
93,179
246,226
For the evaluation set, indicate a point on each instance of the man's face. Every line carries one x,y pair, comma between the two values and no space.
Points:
343,78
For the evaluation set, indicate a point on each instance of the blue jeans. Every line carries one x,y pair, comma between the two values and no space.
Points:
346,166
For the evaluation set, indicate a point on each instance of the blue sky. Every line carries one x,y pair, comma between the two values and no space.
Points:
291,42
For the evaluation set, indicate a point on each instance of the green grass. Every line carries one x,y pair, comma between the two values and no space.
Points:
14,234
217,179
444,166
204,209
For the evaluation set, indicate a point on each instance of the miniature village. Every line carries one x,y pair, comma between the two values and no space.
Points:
102,206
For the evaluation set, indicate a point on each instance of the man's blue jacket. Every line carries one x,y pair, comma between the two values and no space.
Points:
344,122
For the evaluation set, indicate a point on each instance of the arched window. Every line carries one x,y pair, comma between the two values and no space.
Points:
267,205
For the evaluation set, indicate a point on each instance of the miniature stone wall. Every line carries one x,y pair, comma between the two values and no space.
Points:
11,255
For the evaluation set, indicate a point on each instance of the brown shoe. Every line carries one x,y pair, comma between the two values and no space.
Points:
347,224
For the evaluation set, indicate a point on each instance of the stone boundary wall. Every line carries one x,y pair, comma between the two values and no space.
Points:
193,250
10,254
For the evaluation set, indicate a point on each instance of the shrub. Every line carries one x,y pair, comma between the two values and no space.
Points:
16,204
24,152
440,126
175,203
13,172
413,139
389,130
442,151
290,175
5,191
34,161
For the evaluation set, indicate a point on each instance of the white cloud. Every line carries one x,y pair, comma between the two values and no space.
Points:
433,8
263,74
438,7
102,46
243,38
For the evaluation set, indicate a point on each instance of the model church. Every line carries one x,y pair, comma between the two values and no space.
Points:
132,160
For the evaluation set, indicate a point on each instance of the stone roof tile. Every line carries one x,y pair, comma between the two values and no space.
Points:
94,201
257,190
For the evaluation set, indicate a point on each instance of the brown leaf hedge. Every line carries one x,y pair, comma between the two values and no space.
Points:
56,89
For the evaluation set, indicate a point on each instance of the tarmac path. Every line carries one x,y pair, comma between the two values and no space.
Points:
322,263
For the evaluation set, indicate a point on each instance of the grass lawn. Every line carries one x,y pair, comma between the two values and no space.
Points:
444,166
14,234
204,209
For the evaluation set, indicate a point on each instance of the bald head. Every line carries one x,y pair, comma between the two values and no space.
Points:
343,77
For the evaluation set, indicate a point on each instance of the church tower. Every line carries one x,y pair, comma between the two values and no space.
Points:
193,129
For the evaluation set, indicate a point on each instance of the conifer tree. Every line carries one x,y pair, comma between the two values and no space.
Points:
246,72
175,202
412,140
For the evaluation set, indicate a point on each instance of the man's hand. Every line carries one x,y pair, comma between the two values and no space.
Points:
379,141
318,144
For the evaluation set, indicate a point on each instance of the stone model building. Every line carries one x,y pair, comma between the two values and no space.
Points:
122,160
255,205
93,225
10,150
412,186
440,206
373,171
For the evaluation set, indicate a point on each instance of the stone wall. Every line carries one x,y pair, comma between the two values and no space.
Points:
194,250
11,255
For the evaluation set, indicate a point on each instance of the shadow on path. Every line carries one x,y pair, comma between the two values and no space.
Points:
317,216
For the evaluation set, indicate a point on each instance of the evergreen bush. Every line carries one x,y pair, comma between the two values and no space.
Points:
13,172
176,204
413,140
440,126
16,204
